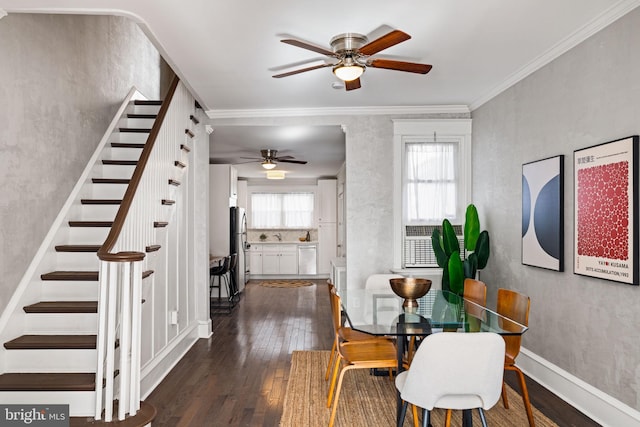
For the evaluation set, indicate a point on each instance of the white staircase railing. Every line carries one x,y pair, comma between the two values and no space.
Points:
122,255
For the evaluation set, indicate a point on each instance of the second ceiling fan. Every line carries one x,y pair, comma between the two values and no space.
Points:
353,52
270,159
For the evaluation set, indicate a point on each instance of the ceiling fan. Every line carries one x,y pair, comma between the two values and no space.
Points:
270,159
353,52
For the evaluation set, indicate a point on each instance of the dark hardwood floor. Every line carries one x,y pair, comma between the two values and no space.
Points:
238,377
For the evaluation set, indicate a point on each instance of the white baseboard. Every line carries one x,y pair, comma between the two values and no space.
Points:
205,329
594,403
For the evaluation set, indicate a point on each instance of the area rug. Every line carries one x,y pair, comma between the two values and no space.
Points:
285,283
367,400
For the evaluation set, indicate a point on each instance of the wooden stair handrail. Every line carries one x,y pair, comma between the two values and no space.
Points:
104,253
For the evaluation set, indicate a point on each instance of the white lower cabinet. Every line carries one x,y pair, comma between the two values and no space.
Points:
255,259
279,259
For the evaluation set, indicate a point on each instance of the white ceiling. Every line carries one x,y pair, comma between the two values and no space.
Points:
227,51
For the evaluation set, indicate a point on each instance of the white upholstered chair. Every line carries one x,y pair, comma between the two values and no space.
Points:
454,370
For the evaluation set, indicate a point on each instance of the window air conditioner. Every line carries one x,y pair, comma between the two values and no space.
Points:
418,251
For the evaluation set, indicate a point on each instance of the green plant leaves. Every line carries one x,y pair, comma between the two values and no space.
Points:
482,249
471,228
456,273
471,266
436,242
449,238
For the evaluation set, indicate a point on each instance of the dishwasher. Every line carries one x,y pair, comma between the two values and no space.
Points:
307,259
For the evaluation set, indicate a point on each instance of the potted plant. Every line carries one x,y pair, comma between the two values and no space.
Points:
263,237
447,251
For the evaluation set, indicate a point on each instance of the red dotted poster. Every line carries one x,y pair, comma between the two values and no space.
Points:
606,198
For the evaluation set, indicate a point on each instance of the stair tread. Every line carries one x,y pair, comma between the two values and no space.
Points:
120,162
35,342
62,307
147,102
141,116
135,130
153,248
90,223
111,180
66,381
70,275
77,248
160,224
100,201
127,145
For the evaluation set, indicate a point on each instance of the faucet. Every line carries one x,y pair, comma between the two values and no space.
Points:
279,236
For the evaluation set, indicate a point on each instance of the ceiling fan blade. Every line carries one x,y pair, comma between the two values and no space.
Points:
353,84
284,158
302,70
411,67
384,42
308,46
300,162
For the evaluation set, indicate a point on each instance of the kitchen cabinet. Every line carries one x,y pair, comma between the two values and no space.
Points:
327,245
327,200
255,259
279,259
224,183
327,225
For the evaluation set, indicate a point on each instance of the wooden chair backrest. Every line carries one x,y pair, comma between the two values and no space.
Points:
335,310
515,306
476,291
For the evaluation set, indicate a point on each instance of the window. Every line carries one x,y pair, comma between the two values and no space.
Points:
430,182
282,210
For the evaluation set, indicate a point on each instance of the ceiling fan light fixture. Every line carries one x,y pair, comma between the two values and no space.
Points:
268,164
275,174
348,73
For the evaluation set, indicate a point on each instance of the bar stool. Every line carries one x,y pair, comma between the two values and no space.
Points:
219,271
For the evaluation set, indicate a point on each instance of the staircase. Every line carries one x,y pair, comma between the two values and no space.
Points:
52,357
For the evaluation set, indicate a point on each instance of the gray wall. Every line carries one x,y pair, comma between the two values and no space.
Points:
590,95
369,182
62,79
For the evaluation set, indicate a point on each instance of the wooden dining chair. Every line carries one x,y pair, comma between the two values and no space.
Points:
475,291
379,353
345,333
515,306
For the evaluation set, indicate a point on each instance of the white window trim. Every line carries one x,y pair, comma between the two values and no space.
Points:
411,130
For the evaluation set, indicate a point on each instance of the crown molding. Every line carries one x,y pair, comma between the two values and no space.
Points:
605,19
340,111
3,13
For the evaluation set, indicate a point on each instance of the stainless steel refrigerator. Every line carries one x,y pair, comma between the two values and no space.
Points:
238,244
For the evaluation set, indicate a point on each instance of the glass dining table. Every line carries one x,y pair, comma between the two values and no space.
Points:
380,312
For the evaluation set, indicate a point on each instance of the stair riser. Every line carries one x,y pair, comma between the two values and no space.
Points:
104,191
113,171
62,323
129,137
69,291
136,123
96,212
121,153
81,403
145,109
87,235
42,361
76,261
